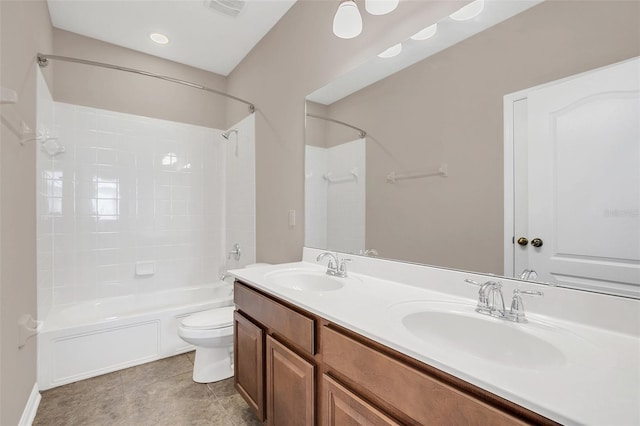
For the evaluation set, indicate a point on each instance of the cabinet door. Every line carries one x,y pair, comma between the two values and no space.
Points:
344,408
248,358
290,387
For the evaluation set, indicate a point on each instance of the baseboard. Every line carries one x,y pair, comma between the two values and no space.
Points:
29,413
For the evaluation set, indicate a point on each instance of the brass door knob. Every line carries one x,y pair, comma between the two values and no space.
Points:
523,241
536,242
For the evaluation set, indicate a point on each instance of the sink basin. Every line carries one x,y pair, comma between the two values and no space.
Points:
481,336
452,327
306,281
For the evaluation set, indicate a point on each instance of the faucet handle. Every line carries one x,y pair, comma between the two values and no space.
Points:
343,267
528,292
516,313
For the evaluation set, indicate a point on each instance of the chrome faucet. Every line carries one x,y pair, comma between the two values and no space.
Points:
496,300
491,301
235,252
335,267
528,274
370,252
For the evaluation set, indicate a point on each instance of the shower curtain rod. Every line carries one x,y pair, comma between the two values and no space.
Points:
361,132
43,61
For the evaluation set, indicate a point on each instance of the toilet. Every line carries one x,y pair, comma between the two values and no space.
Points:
211,332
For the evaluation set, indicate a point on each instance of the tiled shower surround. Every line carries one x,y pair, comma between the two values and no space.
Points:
335,213
134,194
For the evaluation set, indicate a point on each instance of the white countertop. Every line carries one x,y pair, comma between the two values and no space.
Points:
596,381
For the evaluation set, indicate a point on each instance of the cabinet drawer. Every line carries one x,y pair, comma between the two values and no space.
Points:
279,319
343,407
422,398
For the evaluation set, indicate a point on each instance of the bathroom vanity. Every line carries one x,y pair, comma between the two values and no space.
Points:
313,349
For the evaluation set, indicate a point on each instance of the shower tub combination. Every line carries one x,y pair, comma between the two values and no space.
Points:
91,338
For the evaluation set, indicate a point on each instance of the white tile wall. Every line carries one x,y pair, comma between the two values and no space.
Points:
131,189
335,212
45,184
240,188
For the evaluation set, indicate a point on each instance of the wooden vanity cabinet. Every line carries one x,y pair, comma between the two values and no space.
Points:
283,390
296,368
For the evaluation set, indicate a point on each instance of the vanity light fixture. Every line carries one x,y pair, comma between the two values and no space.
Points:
159,38
380,7
469,11
392,51
426,33
347,22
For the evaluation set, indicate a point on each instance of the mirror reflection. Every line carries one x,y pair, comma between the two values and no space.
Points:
444,163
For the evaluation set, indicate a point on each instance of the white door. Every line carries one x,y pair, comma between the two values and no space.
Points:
583,163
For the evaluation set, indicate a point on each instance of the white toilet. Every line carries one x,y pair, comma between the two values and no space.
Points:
212,333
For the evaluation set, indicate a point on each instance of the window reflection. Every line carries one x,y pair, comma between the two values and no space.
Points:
53,191
170,159
107,198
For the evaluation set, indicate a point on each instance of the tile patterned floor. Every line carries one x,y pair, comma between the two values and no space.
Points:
157,393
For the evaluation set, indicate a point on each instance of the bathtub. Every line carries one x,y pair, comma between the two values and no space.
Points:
90,338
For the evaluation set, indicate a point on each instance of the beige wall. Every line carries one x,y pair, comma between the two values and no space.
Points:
296,57
315,128
131,93
448,109
25,29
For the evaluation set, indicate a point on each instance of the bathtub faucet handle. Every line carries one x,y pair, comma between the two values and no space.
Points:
235,252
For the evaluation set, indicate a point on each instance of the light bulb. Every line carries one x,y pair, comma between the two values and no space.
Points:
392,51
159,38
469,11
347,23
380,7
428,32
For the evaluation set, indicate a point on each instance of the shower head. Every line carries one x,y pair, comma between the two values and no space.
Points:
228,133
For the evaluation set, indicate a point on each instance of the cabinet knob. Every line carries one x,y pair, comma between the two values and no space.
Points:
523,241
536,242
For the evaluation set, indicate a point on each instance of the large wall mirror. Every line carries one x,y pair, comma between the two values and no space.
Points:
409,164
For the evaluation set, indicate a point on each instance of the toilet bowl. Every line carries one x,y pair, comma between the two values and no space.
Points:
211,332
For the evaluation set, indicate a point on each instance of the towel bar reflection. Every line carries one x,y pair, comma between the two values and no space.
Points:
442,171
351,176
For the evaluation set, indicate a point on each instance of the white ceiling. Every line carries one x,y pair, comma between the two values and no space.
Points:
199,36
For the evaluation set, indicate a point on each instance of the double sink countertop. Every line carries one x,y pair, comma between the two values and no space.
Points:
570,367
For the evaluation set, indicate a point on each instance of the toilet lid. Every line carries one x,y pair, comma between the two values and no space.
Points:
211,319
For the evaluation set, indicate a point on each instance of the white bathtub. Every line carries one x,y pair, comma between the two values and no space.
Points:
99,336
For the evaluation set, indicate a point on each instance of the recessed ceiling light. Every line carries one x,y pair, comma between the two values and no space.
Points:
380,7
428,32
392,51
469,11
159,38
